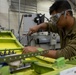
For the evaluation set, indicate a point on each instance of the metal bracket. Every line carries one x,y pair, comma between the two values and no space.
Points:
14,57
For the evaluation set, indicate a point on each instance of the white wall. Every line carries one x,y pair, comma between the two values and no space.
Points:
43,7
74,14
6,20
4,13
4,6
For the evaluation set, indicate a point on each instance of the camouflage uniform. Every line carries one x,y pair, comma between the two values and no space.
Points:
67,40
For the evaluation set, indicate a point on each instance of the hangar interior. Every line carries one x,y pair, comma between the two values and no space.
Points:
16,17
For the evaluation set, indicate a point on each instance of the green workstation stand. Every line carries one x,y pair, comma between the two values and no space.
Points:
38,65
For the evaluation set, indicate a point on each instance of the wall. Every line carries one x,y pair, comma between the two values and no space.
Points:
75,14
43,7
4,13
8,20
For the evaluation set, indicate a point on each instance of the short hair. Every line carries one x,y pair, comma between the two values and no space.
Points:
59,6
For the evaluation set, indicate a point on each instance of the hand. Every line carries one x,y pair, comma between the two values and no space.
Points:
29,49
33,29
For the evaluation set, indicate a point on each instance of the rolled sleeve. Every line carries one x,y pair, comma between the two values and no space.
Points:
52,28
69,51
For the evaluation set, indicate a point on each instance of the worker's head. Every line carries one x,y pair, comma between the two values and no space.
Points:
60,12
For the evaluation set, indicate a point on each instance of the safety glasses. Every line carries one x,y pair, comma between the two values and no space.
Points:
54,18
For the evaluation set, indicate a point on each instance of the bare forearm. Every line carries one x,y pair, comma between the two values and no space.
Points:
51,54
43,26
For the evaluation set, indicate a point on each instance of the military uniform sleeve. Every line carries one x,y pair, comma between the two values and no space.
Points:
69,51
51,27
